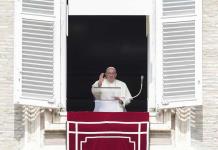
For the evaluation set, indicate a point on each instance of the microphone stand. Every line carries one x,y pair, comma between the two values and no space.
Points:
142,78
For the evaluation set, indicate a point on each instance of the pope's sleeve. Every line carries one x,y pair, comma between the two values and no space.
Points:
128,96
95,92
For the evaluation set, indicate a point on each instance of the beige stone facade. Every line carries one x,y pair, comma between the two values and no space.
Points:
12,129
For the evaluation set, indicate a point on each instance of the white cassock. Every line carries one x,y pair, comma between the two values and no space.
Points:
111,105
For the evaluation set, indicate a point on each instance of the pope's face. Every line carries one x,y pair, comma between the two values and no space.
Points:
111,75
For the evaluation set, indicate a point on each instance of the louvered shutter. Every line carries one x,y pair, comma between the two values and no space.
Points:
179,53
37,52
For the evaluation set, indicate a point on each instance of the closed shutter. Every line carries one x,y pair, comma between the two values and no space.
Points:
37,52
179,49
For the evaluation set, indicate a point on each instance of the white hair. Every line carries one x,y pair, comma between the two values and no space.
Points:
113,68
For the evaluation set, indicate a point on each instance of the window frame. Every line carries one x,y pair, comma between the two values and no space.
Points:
153,80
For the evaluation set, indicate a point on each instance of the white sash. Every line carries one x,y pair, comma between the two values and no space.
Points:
108,106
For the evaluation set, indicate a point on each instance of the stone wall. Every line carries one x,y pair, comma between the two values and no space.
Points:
11,120
205,127
210,73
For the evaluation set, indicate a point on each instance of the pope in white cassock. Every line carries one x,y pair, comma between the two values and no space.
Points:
113,104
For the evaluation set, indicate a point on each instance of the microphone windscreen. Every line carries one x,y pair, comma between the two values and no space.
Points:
142,77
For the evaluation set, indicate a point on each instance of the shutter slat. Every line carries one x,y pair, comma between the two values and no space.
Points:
49,76
183,51
45,2
38,88
37,7
170,41
178,8
180,89
38,69
38,40
178,3
176,89
37,66
178,74
177,77
191,92
37,35
178,63
34,84
184,67
42,73
37,56
49,83
37,27
37,45
38,92
37,49
38,97
175,1
179,48
180,71
175,81
35,31
28,51
182,84
35,77
38,62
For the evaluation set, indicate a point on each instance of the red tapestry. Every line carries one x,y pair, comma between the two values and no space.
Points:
107,130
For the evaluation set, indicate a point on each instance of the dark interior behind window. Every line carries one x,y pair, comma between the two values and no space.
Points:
96,42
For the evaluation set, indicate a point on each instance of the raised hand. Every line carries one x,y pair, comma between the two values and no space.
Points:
101,79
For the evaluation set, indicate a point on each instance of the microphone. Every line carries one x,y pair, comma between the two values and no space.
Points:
142,78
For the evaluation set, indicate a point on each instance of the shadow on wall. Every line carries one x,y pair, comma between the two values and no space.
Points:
19,123
197,123
28,116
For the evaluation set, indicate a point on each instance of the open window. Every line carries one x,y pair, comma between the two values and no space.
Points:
173,41
96,42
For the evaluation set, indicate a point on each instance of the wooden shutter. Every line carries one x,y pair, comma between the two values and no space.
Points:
179,50
37,52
